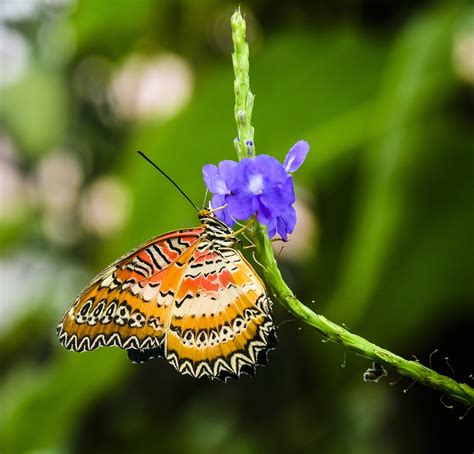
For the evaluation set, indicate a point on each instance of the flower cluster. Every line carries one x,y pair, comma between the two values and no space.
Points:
260,185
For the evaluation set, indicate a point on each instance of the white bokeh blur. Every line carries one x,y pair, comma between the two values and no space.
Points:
105,206
59,177
31,281
155,87
463,56
302,242
14,56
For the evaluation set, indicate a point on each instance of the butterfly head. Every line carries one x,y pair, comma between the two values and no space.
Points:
215,230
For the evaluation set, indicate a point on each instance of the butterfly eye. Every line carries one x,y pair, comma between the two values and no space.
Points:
111,309
226,334
189,338
238,325
98,310
85,309
82,316
213,338
121,318
202,339
137,320
109,313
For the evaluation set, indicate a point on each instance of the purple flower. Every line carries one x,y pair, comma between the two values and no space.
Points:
215,179
260,186
296,156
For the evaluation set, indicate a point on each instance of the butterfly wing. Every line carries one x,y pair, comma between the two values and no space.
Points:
220,323
179,296
128,305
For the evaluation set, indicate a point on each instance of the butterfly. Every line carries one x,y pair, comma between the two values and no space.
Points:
188,296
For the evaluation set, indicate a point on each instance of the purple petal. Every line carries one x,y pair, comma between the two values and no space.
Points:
277,199
226,167
271,169
209,174
214,182
286,223
296,156
271,227
263,169
215,177
291,189
217,201
264,213
222,214
241,205
238,179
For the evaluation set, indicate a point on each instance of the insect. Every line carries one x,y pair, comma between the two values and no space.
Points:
188,296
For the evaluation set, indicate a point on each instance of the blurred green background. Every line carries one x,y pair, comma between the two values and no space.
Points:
385,205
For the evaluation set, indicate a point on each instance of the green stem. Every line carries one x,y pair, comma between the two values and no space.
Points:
413,369
243,96
277,287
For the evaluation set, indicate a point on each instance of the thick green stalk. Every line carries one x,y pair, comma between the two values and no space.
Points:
413,369
277,287
243,96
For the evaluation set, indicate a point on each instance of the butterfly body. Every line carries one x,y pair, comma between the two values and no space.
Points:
188,296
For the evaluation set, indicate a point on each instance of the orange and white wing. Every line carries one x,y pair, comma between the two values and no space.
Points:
129,304
220,323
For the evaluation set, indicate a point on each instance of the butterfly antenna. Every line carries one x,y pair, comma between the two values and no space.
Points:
143,155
